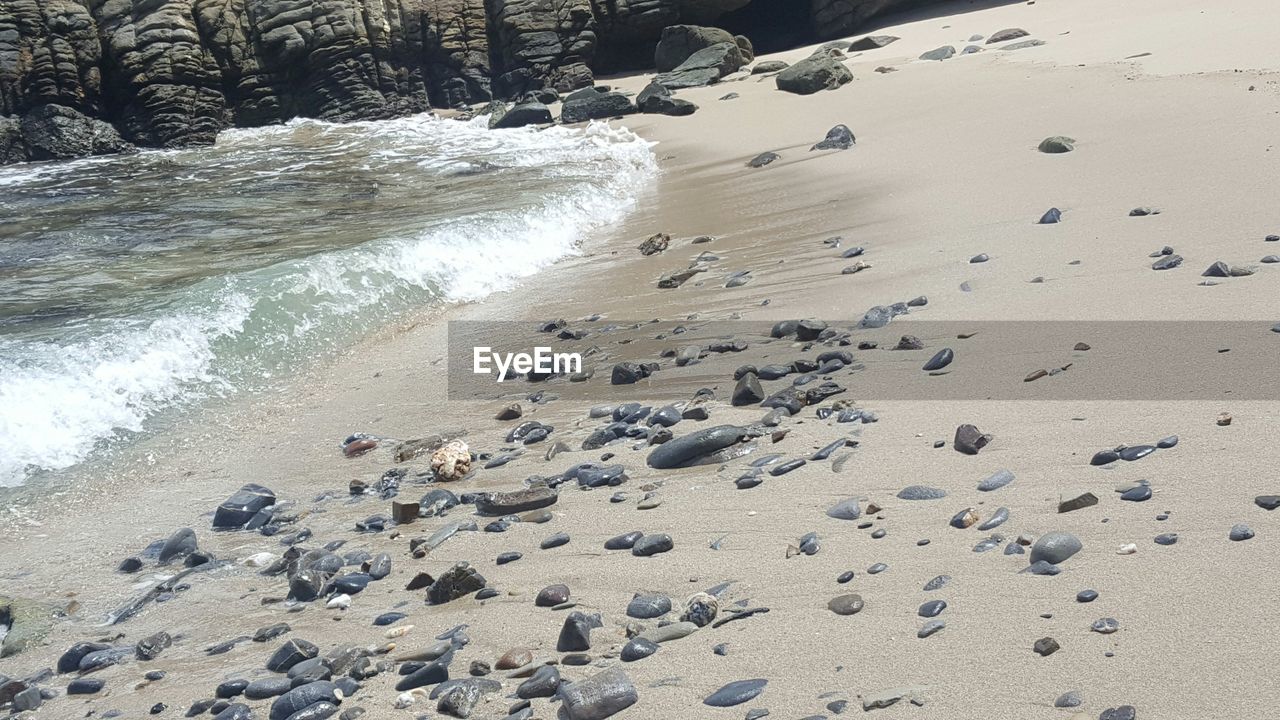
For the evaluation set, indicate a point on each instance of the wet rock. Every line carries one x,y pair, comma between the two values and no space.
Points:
301,698
530,112
694,447
239,509
942,359
637,649
552,595
652,545
290,654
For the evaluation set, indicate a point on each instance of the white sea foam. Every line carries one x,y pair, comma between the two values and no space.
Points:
63,396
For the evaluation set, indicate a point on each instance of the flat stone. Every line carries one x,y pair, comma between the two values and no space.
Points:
1069,502
997,480
846,604
1046,646
736,693
921,492
667,633
931,627
599,696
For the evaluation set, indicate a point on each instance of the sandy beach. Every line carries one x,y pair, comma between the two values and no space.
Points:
1173,105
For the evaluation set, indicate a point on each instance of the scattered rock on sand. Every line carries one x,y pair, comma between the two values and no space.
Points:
812,74
839,137
1057,144
942,53
599,696
736,693
969,439
1055,547
1007,34
452,461
872,42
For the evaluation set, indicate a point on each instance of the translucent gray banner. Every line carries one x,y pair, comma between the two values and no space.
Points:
670,360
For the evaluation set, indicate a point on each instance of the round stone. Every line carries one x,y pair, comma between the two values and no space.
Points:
1240,532
1086,596
1055,547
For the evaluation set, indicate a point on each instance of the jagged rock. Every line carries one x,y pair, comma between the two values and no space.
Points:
679,42
705,67
527,113
595,107
56,132
812,74
656,98
459,580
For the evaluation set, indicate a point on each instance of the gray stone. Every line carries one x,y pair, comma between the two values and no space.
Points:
1055,547
736,693
813,74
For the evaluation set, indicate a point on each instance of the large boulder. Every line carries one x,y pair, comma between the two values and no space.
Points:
655,98
596,106
819,72
679,42
56,132
525,113
705,67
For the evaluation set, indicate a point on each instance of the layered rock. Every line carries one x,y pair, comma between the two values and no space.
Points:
101,75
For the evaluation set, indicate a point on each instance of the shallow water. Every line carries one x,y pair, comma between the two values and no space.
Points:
133,287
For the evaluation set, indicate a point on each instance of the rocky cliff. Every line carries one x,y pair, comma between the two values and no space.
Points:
82,77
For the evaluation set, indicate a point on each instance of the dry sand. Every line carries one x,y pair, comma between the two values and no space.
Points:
945,167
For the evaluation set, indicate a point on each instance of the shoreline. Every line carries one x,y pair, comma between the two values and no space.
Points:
945,167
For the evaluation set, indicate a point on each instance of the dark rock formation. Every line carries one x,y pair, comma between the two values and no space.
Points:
82,77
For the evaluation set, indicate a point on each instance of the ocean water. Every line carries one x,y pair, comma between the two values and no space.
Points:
134,287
